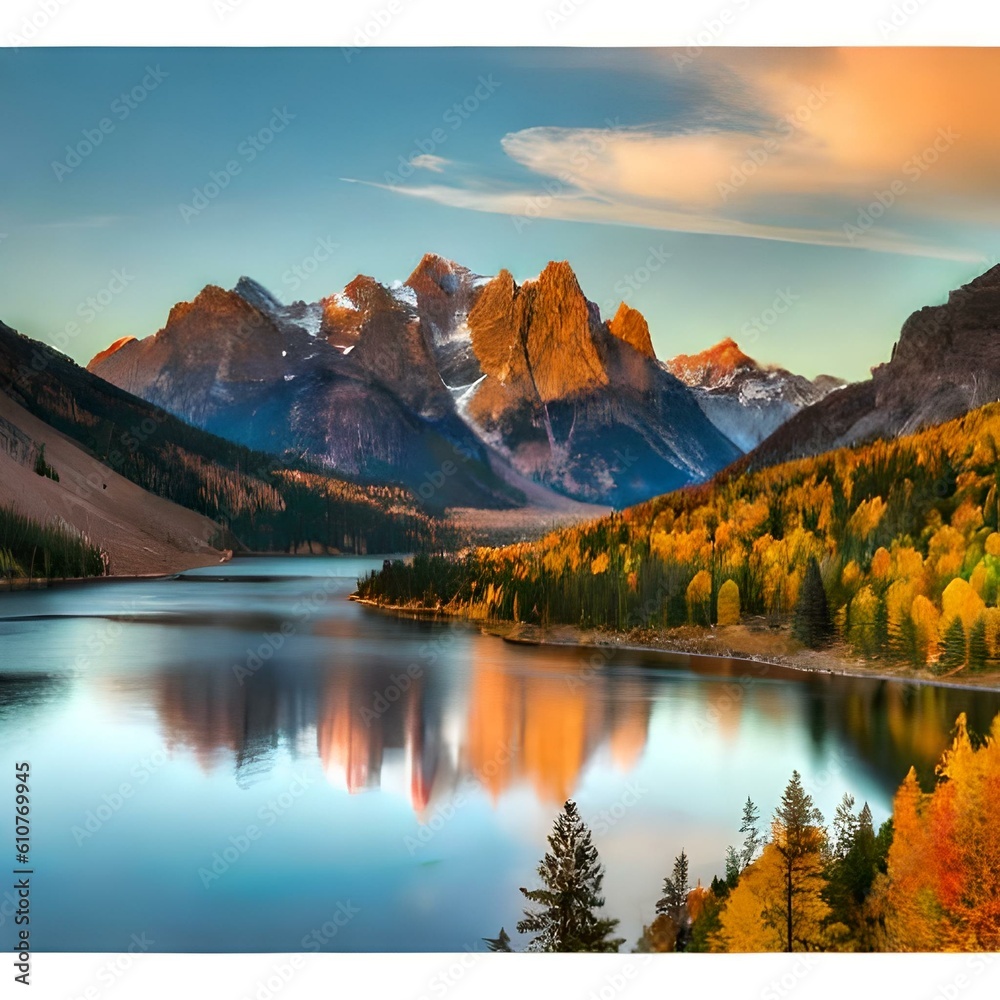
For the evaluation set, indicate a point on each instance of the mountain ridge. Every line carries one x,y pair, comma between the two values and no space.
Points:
929,378
384,382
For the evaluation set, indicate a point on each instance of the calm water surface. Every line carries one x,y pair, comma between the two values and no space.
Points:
241,759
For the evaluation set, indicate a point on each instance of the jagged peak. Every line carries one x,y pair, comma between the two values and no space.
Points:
558,272
434,266
629,325
503,281
255,293
436,274
367,294
210,298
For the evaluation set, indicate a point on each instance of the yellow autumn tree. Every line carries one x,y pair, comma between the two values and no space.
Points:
729,603
600,564
861,617
960,600
699,594
881,564
778,903
925,621
745,924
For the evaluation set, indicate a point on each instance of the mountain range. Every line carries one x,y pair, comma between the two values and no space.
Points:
352,423
157,494
746,401
506,386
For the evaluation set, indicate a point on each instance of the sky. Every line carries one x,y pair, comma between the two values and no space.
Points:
800,201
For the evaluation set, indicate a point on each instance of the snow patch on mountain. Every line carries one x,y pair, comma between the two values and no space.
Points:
403,293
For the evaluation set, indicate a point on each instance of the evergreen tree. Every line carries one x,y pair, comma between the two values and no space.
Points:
904,642
953,654
798,838
812,625
499,943
720,887
572,874
978,650
733,867
858,857
881,628
845,827
752,839
673,904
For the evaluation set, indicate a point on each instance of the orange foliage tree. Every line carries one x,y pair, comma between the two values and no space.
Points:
942,889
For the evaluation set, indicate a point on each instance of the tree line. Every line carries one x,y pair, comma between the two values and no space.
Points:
891,547
928,879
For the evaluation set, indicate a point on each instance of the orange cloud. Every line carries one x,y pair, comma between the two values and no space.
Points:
793,145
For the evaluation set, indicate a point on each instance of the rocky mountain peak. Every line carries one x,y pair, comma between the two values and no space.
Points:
540,340
368,295
435,272
215,309
630,325
712,367
257,295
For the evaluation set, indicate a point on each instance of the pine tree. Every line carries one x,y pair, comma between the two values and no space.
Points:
978,650
499,943
881,628
953,654
673,904
812,625
752,840
572,874
798,838
720,887
706,924
733,867
904,643
845,826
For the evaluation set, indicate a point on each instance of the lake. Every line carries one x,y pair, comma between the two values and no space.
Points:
242,759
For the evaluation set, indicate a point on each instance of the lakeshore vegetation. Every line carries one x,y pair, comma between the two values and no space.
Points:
892,547
928,879
32,550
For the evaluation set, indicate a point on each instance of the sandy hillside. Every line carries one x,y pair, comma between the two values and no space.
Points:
142,533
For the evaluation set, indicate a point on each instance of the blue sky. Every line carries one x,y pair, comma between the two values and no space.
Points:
723,195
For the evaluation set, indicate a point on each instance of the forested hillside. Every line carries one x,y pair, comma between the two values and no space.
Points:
257,500
902,537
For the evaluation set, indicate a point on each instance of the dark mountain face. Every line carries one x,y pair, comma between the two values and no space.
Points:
492,379
252,498
945,363
374,408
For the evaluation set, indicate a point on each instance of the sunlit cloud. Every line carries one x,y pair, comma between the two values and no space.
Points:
881,149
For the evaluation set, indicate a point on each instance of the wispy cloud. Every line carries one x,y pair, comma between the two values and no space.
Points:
428,161
813,144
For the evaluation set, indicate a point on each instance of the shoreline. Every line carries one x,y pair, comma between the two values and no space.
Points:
760,646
